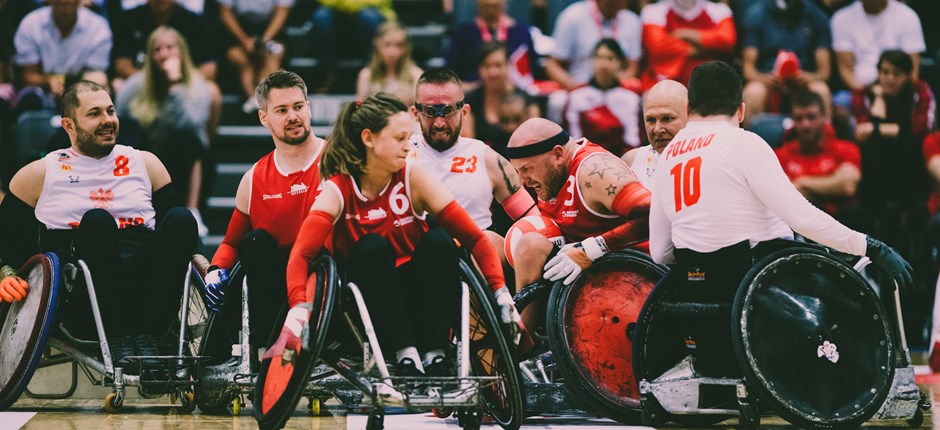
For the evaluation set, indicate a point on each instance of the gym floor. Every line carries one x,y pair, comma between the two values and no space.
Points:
88,414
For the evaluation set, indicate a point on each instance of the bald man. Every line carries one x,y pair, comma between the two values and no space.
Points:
591,195
665,112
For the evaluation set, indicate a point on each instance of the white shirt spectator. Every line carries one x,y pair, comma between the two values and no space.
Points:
196,6
255,10
39,41
867,36
580,26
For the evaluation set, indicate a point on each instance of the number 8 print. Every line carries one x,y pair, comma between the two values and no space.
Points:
120,166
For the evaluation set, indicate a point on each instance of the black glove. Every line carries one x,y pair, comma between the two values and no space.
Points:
891,262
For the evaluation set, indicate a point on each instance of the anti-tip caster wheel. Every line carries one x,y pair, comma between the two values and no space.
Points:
112,403
187,402
236,406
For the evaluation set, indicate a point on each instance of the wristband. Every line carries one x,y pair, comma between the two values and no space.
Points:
7,271
594,247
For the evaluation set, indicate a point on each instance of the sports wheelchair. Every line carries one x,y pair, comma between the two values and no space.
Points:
30,331
581,361
811,341
486,377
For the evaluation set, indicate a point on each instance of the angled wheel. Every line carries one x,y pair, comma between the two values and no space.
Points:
25,325
802,319
281,383
492,355
590,323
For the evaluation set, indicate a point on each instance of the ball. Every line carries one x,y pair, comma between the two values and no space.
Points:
532,223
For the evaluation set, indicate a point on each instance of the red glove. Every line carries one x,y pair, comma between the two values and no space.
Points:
12,287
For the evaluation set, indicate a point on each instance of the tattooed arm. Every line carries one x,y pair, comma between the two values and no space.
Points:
610,187
507,189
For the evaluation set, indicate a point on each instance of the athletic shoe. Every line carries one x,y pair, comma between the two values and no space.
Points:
146,345
407,368
439,367
121,348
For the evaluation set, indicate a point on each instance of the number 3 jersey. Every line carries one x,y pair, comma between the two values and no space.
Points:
716,185
389,215
75,184
462,169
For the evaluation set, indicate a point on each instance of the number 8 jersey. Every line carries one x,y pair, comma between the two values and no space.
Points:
390,215
75,184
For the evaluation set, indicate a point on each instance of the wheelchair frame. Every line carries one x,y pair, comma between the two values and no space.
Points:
103,372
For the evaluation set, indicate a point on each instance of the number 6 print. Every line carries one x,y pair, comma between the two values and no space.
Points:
687,182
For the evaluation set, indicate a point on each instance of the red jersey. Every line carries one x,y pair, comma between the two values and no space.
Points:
391,216
833,153
576,220
278,202
932,149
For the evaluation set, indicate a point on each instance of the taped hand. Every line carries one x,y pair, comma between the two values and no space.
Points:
12,287
294,334
508,313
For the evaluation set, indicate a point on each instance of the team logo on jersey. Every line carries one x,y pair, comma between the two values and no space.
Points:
64,156
570,214
101,199
73,179
376,214
401,222
65,167
300,188
352,216
271,196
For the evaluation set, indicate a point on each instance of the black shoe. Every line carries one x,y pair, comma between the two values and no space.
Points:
439,367
146,345
407,368
121,348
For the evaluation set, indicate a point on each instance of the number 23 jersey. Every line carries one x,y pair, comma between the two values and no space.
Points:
74,184
390,215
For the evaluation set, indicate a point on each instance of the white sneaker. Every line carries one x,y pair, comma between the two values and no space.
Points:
201,227
250,106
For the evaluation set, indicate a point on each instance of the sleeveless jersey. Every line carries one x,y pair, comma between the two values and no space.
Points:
390,215
576,220
644,165
279,201
75,184
462,169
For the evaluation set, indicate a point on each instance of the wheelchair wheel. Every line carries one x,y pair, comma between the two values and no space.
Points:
197,316
25,325
491,354
590,323
529,294
280,384
813,340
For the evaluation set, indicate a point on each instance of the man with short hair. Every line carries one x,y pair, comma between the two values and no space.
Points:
111,206
475,173
665,112
272,200
824,169
719,191
593,197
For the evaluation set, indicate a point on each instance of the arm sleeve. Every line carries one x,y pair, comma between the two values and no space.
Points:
765,176
564,36
924,110
666,54
661,245
841,32
100,49
456,222
720,38
18,225
163,200
27,53
316,227
238,227
632,203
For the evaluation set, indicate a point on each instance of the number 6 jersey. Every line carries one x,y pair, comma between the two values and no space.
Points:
389,215
75,184
716,185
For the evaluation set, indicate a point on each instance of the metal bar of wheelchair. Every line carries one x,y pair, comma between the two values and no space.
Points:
99,325
898,323
184,310
694,309
52,361
370,331
355,378
463,368
244,342
89,362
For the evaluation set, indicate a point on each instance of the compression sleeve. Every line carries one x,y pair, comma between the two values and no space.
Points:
454,220
163,200
19,231
519,204
770,184
238,227
632,203
310,239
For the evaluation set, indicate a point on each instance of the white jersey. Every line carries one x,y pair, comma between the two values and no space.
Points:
462,169
75,184
717,185
644,165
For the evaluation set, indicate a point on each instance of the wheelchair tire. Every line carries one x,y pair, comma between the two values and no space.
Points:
491,354
589,324
538,291
25,325
286,382
817,349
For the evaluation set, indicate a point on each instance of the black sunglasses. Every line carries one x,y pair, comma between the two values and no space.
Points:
441,110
